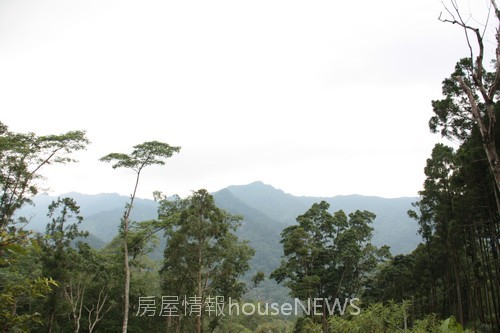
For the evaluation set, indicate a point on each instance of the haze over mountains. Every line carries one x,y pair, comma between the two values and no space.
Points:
266,211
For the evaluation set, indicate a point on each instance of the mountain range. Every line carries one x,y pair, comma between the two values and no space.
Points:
266,211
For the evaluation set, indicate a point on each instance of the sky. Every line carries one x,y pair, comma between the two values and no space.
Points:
317,98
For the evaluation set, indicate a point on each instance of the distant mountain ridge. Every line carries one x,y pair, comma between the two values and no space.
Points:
260,204
392,226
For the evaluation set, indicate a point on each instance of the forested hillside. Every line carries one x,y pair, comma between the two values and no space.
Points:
266,211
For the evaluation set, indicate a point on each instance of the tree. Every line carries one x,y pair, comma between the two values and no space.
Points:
456,268
328,256
472,92
58,258
459,208
394,279
85,276
203,258
22,285
96,279
455,271
22,158
143,155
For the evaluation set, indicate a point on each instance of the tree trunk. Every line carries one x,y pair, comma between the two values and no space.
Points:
200,289
126,216
491,153
323,319
127,277
458,287
51,323
487,130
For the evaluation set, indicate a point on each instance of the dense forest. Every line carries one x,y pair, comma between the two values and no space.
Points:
54,281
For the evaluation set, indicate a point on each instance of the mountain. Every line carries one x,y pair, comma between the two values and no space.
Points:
260,230
270,201
266,211
263,234
392,226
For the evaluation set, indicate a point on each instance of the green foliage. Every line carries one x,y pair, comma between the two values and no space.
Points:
12,245
144,154
328,254
453,117
429,323
203,257
20,286
14,294
377,317
451,325
393,280
254,323
306,325
22,156
273,327
391,317
258,278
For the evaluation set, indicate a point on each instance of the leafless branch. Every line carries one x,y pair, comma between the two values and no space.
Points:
99,314
487,21
496,82
461,23
76,302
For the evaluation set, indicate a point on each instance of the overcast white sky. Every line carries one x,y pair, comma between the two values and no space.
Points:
314,97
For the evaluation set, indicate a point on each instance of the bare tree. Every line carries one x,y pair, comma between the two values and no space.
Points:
481,91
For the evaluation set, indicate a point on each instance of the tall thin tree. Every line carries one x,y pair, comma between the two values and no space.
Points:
143,155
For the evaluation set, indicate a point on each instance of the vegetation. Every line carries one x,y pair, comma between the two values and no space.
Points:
22,156
327,256
203,258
